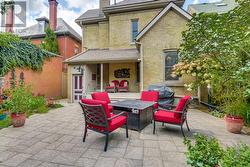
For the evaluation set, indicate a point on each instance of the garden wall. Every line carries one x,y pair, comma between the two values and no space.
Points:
47,82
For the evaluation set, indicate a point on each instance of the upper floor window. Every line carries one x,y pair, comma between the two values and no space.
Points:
134,25
171,58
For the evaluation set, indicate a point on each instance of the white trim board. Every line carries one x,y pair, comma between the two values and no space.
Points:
160,15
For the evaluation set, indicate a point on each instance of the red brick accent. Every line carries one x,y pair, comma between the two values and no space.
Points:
53,14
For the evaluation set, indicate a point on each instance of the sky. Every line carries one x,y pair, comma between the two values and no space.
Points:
69,10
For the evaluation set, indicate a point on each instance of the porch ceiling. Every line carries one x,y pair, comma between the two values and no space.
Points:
105,56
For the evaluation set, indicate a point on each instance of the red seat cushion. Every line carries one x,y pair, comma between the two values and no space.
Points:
103,96
98,102
167,116
152,96
182,103
112,124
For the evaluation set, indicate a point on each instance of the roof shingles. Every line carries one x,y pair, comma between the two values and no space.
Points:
62,27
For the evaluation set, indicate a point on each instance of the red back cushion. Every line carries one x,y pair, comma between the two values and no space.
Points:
98,102
182,103
102,96
150,96
116,83
122,83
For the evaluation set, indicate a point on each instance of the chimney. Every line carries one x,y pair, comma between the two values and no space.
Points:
53,14
9,18
104,3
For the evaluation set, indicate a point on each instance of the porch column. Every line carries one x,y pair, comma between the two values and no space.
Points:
101,77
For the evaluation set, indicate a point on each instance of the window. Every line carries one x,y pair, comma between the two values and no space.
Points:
171,58
134,29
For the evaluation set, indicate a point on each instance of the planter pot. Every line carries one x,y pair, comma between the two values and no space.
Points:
234,124
18,119
3,116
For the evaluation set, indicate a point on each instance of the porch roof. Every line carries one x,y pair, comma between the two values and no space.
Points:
105,56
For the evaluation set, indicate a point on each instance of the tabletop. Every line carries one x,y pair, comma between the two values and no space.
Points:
133,104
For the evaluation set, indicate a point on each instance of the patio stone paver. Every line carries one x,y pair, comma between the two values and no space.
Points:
55,140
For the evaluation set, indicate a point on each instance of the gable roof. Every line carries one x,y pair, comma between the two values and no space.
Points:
62,28
217,7
171,5
96,15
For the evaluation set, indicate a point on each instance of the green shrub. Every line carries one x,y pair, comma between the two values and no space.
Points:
19,101
205,152
38,105
236,157
54,106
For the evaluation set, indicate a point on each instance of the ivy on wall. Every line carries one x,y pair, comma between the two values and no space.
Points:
50,42
18,53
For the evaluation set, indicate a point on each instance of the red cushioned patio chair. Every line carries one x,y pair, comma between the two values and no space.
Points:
176,117
152,96
112,86
123,86
99,119
102,96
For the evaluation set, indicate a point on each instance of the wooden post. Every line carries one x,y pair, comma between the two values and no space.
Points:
101,77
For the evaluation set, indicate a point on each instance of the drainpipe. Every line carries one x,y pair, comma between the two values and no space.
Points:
141,66
101,77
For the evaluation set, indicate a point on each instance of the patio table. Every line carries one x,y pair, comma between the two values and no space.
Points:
140,113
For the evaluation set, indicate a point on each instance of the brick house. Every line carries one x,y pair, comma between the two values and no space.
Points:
54,77
140,37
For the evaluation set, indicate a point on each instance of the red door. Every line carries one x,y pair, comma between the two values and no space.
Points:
77,87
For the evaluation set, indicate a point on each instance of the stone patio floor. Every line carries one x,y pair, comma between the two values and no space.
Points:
55,139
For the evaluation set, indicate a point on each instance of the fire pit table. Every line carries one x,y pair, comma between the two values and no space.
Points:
140,113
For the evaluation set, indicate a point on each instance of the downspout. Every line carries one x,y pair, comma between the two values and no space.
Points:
141,65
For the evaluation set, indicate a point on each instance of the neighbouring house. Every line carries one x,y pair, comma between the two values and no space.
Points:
52,80
222,6
133,40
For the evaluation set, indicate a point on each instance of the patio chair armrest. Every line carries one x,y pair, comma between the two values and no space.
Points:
117,115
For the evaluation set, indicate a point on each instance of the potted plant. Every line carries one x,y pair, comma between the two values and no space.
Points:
235,113
205,151
19,105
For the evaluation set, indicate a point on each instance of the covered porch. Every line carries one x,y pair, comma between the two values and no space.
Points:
95,69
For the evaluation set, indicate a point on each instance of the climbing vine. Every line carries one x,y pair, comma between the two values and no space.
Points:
18,53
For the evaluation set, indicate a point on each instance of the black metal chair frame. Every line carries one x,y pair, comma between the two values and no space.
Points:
183,114
96,116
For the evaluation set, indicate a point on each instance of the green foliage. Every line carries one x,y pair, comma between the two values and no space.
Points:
205,152
38,105
5,123
236,157
17,53
50,42
216,51
4,6
19,101
218,114
55,106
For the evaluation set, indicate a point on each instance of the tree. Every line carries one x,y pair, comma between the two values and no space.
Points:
216,50
50,42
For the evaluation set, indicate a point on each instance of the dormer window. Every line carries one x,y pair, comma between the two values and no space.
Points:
43,23
134,28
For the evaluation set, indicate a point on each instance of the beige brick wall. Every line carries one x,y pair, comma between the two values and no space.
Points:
120,27
165,34
91,36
